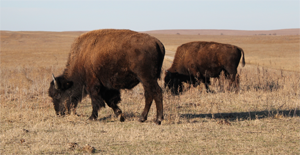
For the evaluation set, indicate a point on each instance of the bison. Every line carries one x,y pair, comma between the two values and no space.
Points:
101,63
197,61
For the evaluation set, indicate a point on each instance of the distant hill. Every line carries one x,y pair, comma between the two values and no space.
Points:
295,31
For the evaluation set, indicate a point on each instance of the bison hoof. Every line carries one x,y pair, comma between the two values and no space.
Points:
60,113
210,91
92,118
142,120
121,118
157,121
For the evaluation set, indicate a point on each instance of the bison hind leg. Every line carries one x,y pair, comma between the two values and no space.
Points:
177,87
152,92
112,97
234,82
231,74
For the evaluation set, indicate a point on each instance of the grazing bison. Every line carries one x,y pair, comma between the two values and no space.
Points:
198,61
102,62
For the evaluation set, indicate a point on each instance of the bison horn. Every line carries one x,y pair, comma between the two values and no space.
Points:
55,83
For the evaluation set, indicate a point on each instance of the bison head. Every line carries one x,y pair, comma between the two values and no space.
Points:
168,80
173,82
59,91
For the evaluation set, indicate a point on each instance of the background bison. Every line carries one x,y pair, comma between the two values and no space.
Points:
102,62
198,61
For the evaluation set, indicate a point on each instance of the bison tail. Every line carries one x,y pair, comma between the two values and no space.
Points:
161,54
243,59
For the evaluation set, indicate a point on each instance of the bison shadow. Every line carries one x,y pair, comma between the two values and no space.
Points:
245,115
129,116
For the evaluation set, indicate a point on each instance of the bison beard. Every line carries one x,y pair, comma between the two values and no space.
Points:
102,62
197,62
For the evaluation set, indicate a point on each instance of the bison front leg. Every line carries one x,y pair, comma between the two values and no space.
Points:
71,105
207,82
68,106
153,91
97,102
176,84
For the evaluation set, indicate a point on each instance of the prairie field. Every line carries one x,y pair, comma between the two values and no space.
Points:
263,118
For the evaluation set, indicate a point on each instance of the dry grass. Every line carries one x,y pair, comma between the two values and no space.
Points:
262,119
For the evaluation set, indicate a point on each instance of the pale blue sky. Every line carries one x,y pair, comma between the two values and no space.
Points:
144,15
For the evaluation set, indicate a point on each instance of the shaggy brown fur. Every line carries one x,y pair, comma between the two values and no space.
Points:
198,61
102,62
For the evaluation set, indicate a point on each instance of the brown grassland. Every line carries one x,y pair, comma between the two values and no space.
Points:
263,118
